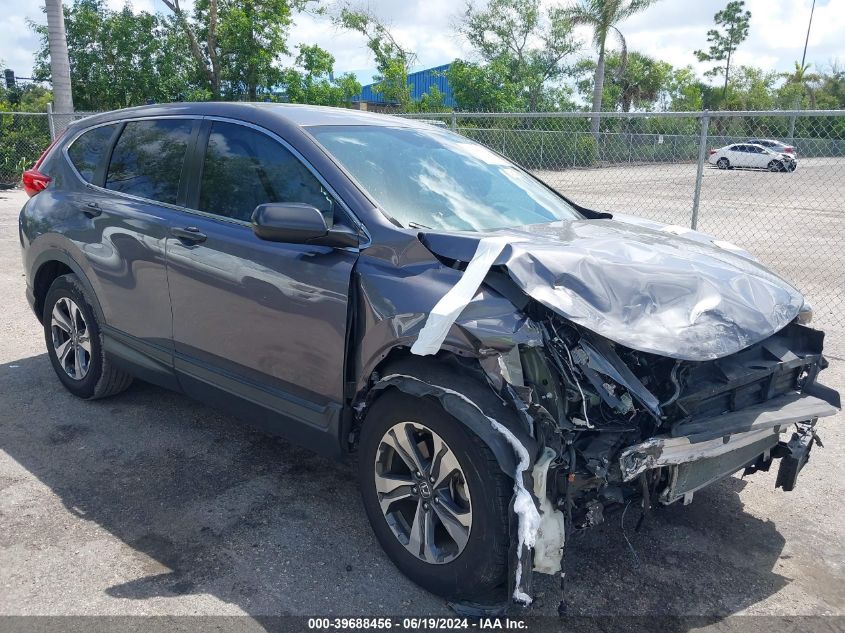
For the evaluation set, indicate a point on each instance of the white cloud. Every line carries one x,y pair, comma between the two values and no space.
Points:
670,29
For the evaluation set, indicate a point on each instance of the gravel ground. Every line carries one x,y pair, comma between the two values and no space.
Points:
150,503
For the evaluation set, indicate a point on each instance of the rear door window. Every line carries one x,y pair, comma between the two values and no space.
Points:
148,158
89,149
244,168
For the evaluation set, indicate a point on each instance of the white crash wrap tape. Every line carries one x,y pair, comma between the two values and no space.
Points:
450,306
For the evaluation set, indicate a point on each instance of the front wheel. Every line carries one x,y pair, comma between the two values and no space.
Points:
775,165
435,496
74,342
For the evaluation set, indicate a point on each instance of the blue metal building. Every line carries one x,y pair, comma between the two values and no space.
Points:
421,82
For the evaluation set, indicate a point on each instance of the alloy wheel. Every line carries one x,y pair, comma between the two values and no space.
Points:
423,493
71,338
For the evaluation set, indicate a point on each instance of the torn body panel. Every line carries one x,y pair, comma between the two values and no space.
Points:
391,310
718,369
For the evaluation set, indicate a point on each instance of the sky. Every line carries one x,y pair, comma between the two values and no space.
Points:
670,30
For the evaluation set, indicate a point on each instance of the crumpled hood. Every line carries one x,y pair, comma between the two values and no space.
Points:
640,284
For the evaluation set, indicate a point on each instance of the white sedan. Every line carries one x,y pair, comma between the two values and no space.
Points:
750,155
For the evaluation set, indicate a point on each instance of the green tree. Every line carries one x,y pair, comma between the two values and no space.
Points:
523,48
734,20
393,59
603,17
830,94
236,44
118,58
312,80
684,91
751,89
638,84
800,84
482,87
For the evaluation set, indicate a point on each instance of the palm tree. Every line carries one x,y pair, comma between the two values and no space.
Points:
59,64
804,80
603,16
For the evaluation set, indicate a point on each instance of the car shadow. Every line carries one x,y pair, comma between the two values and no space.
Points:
207,506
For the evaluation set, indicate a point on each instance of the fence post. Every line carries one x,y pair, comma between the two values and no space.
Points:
50,121
542,135
454,122
702,153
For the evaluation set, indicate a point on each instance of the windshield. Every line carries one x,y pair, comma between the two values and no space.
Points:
437,179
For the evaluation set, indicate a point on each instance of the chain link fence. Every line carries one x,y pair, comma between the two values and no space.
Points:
24,136
654,165
663,166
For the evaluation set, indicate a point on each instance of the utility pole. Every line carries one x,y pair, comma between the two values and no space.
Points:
803,60
807,39
59,63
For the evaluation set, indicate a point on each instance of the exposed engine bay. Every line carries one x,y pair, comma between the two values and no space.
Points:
623,425
627,422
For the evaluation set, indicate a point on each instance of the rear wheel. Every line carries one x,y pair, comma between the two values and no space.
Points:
723,163
775,165
74,343
435,496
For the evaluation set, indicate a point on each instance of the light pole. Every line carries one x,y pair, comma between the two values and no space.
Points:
803,60
807,39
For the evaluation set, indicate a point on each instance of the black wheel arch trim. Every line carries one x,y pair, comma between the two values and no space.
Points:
467,398
63,257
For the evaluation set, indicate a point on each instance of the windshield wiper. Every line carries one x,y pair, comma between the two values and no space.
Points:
417,225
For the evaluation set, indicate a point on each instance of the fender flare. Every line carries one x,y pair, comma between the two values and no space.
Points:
62,256
465,397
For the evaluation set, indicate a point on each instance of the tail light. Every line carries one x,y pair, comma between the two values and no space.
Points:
789,150
712,151
33,180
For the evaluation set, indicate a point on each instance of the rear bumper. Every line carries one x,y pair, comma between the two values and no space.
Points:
702,452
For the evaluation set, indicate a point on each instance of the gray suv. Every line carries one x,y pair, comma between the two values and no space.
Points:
508,366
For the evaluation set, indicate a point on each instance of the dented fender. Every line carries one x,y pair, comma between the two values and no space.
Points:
391,309
467,399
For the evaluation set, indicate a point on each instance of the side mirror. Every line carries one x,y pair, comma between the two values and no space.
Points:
297,223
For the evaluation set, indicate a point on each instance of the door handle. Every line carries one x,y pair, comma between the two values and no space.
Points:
92,209
190,234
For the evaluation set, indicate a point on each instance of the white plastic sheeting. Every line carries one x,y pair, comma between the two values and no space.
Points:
450,306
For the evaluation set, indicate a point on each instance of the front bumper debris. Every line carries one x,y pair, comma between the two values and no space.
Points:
714,448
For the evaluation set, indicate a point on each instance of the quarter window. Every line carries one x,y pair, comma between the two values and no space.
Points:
88,150
147,160
244,168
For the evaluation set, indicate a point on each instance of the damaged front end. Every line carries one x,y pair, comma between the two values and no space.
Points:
660,367
639,423
615,424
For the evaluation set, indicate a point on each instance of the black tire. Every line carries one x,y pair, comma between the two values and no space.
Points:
482,565
723,163
776,165
102,377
